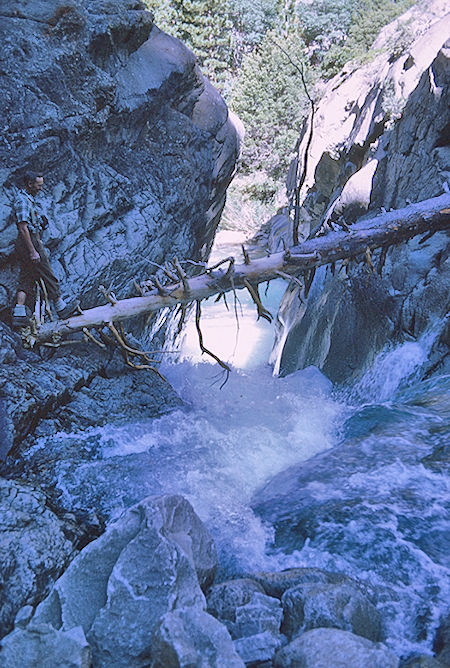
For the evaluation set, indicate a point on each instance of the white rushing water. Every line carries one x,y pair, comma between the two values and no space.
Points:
233,437
230,441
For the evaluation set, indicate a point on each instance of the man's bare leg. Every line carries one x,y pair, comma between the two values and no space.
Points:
19,316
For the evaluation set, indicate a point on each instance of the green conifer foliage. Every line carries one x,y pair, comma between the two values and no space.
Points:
270,99
367,20
203,25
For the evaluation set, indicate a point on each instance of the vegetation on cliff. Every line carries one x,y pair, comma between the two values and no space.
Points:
237,43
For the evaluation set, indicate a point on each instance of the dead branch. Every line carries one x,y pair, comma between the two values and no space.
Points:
381,231
182,276
245,254
254,294
108,294
224,365
291,279
92,338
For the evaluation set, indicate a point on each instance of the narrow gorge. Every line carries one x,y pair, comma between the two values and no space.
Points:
298,513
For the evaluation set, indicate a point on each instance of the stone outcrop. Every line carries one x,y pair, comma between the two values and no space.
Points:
380,139
342,606
74,388
148,563
34,548
322,648
136,146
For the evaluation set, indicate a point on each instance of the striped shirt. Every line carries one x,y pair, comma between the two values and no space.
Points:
28,210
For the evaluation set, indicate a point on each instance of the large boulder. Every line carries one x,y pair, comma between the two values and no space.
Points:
33,549
342,606
322,648
146,564
41,645
379,141
136,146
252,618
191,637
277,583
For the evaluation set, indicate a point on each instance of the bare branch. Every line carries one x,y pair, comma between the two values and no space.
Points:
262,311
381,231
198,314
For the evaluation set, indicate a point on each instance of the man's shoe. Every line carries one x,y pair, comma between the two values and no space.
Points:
68,310
20,321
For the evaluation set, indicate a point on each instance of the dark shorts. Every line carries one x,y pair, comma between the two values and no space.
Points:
33,272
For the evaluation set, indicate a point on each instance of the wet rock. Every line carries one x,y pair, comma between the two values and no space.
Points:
322,648
342,606
41,645
258,648
422,661
191,637
368,156
275,584
33,389
143,566
33,548
441,643
125,396
224,599
252,618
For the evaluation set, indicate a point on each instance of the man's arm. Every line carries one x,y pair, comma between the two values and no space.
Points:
25,234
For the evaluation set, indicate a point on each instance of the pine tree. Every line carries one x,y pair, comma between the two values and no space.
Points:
270,98
204,26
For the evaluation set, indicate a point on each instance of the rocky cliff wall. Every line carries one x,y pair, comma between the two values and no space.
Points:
380,139
136,146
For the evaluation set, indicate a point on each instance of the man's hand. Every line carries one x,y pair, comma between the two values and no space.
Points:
34,256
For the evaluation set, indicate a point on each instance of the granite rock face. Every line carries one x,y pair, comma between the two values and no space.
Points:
342,606
148,563
380,141
136,146
33,549
75,388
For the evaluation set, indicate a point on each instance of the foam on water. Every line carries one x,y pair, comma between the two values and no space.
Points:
229,442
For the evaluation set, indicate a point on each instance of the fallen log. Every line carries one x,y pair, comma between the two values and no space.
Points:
381,231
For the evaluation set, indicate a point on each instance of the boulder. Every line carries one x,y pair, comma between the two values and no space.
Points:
142,567
33,548
41,645
323,648
252,618
259,647
223,599
276,583
379,141
191,637
341,606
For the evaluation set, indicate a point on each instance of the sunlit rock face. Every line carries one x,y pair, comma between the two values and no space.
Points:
380,140
137,148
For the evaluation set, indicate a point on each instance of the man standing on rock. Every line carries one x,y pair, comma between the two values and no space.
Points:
34,262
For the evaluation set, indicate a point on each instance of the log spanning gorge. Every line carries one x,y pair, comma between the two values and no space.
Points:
382,231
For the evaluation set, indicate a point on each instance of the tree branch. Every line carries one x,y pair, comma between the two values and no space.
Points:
381,231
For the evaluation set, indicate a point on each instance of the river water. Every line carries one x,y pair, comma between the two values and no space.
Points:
293,472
